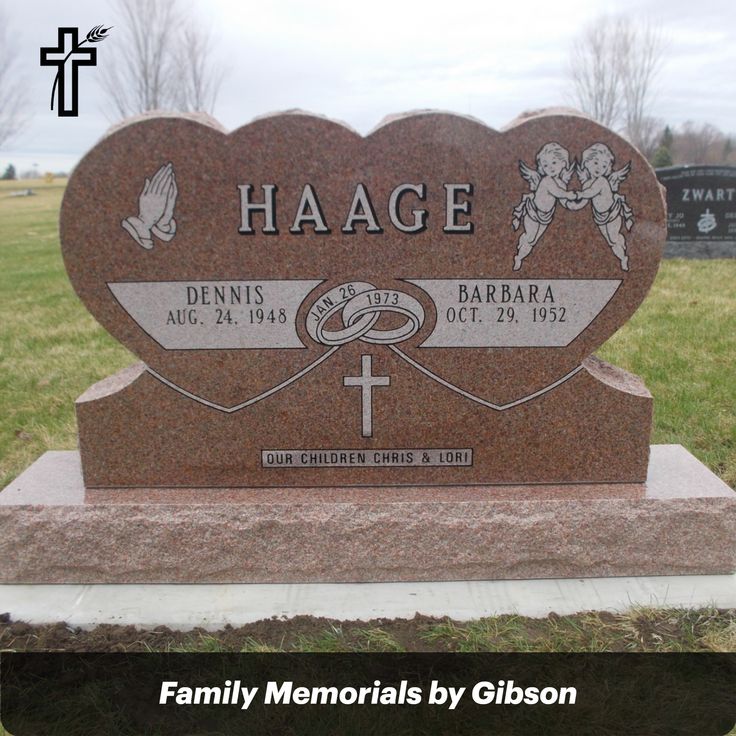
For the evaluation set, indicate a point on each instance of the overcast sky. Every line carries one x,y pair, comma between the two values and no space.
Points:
360,61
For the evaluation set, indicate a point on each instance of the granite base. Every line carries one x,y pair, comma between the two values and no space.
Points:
681,521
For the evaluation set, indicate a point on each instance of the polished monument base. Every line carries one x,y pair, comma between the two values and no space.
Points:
682,521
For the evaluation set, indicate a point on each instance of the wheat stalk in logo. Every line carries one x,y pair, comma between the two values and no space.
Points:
94,35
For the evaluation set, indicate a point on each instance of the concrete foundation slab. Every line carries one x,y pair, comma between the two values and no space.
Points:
184,607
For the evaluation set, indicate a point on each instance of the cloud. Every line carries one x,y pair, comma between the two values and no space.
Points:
358,63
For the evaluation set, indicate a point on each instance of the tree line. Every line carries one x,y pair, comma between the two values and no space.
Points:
614,68
165,60
693,143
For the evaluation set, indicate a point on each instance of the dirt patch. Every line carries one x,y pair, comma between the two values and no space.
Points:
305,633
637,630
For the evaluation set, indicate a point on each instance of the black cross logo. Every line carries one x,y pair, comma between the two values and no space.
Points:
69,47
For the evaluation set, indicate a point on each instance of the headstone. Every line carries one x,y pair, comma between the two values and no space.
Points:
363,359
314,308
701,206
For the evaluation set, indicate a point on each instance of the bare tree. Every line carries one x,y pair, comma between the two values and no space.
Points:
613,66
13,99
640,61
198,79
596,69
698,144
161,63
649,135
695,143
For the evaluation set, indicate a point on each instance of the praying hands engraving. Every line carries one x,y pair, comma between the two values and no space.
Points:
548,186
156,204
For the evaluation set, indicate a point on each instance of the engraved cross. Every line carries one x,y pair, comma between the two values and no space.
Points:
367,381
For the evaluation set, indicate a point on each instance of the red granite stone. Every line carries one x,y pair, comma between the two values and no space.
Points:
477,342
682,520
598,409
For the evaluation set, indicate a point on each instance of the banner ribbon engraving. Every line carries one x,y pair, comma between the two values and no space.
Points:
360,306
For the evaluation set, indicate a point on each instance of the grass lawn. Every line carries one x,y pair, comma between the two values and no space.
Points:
637,630
682,341
51,348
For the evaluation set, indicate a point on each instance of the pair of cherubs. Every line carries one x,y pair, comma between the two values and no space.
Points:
548,185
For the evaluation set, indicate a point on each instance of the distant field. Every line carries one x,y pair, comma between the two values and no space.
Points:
682,341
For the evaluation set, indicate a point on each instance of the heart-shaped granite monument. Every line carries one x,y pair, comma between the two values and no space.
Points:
457,275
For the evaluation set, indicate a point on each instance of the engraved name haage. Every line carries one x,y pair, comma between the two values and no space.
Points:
263,212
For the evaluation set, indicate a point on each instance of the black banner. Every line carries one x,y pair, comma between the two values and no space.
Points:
74,694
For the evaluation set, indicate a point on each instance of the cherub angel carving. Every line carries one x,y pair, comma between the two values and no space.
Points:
600,183
155,209
548,185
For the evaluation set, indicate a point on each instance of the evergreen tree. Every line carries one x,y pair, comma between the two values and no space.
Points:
9,173
662,157
667,138
727,149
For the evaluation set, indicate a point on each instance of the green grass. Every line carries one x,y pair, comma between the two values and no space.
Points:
682,341
51,348
640,629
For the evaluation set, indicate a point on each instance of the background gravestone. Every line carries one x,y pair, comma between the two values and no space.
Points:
315,308
701,207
